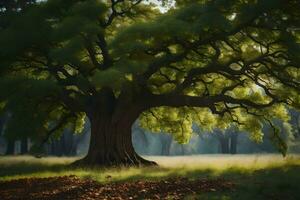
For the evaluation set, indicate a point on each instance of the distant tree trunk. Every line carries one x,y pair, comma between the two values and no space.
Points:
51,148
182,149
55,147
233,142
61,146
2,121
144,138
10,150
70,142
73,149
298,125
64,146
166,141
58,145
224,142
24,146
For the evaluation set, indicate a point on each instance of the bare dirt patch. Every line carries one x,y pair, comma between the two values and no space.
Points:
72,187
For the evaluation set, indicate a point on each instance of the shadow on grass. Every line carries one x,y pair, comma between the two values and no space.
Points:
27,165
272,182
24,168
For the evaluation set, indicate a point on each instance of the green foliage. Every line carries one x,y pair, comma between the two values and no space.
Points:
111,77
169,120
34,102
23,100
241,58
211,20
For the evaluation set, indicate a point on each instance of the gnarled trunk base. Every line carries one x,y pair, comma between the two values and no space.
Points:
111,145
135,160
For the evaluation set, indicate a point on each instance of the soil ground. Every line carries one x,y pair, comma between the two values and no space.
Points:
72,187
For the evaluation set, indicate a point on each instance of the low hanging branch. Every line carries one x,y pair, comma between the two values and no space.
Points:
60,124
117,59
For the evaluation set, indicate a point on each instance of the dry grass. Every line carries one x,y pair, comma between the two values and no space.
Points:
223,162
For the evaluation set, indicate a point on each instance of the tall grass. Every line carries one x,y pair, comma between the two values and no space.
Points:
15,167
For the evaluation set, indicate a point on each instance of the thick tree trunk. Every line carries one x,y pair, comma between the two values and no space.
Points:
24,146
111,144
111,122
10,150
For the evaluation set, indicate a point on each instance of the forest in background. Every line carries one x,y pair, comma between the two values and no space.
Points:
230,141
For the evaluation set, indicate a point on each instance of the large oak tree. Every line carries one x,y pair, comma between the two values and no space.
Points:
208,62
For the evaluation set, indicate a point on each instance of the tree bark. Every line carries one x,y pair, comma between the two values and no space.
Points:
111,138
111,145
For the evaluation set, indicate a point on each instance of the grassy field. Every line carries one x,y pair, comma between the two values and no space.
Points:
256,176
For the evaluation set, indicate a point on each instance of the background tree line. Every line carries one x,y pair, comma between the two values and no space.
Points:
230,141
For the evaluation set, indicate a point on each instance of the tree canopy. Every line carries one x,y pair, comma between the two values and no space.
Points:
208,62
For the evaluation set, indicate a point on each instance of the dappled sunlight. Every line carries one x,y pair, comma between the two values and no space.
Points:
249,176
9,160
190,166
223,162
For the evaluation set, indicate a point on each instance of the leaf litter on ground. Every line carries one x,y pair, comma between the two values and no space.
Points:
72,187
